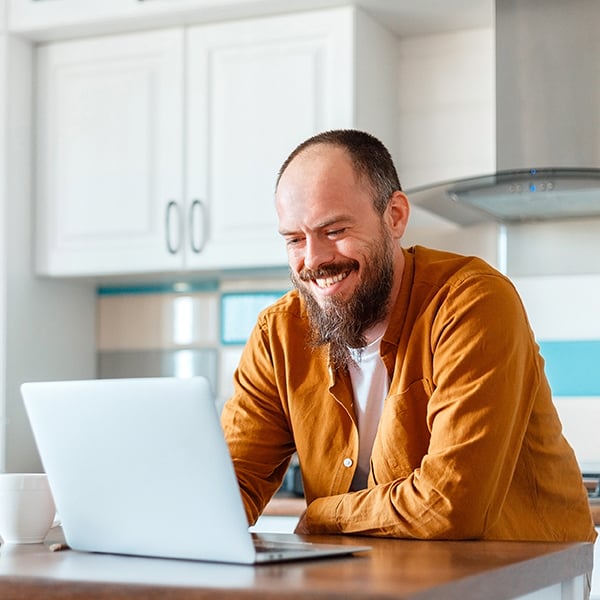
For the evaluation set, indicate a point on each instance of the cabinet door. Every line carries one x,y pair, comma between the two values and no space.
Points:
110,154
256,89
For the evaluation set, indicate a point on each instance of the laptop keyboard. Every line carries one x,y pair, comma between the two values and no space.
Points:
262,546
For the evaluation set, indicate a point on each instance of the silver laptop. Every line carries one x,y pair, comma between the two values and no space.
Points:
141,467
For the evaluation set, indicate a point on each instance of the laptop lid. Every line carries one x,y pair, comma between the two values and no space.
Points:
140,466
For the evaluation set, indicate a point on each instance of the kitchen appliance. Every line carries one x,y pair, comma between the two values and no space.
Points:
547,120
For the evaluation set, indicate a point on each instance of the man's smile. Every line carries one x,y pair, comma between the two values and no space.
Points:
325,282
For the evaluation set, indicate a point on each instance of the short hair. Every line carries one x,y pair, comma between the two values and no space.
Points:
370,158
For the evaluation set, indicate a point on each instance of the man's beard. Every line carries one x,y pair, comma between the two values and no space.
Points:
342,323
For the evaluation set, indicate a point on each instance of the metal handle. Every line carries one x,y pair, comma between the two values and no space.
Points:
198,233
173,248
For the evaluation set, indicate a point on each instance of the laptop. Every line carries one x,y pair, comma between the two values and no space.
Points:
141,467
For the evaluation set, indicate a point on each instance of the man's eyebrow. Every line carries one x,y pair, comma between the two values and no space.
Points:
335,220
286,233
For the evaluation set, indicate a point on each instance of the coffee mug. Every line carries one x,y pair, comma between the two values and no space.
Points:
27,510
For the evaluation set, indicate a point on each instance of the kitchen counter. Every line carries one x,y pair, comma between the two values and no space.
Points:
391,569
283,505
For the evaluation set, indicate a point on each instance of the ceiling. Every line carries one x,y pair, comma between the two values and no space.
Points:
404,17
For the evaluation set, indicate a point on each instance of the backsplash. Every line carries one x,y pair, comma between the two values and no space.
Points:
181,329
565,315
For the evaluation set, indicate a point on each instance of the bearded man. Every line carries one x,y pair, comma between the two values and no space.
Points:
408,381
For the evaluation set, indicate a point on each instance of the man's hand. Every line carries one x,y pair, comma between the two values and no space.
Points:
319,517
302,527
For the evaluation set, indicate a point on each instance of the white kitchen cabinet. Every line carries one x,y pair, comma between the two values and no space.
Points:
256,89
109,178
149,166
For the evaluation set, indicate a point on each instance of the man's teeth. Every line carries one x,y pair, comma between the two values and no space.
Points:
327,281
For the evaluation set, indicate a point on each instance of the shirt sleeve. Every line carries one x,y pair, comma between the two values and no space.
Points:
485,376
255,426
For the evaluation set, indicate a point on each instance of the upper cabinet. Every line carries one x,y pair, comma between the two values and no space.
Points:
158,151
109,150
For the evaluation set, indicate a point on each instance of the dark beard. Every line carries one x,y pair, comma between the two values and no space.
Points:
342,323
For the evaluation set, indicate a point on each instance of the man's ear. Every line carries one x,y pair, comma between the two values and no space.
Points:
398,212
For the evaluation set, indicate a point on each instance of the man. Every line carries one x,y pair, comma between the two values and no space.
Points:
408,381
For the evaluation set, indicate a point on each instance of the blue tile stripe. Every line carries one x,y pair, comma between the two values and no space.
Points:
185,287
572,366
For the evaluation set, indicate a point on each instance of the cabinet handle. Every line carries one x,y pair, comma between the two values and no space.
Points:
197,231
171,247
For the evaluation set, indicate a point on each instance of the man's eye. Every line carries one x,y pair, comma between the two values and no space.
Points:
293,241
336,232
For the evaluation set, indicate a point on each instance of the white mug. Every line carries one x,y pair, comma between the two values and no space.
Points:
27,510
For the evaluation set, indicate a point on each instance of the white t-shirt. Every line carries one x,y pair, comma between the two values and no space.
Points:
370,383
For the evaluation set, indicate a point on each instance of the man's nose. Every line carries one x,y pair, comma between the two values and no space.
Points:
318,252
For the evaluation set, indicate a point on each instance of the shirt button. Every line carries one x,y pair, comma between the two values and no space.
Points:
348,462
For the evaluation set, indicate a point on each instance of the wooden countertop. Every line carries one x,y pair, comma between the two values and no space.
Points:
391,569
288,506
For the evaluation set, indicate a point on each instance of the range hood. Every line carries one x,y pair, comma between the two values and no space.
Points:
547,120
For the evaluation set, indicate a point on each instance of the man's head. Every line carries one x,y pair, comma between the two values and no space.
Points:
342,214
370,158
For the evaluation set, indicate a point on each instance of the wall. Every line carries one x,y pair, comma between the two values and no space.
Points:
2,243
446,126
446,129
46,327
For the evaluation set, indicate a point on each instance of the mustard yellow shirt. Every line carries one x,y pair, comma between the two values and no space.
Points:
469,444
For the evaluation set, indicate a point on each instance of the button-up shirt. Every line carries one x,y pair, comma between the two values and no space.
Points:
469,443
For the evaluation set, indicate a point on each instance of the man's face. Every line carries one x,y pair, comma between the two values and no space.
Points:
341,251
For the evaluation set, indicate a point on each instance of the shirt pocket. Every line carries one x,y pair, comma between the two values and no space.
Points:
403,435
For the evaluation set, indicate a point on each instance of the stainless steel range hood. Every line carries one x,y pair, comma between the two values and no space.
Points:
547,120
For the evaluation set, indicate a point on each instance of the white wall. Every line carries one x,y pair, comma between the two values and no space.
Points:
446,128
47,328
554,248
2,245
